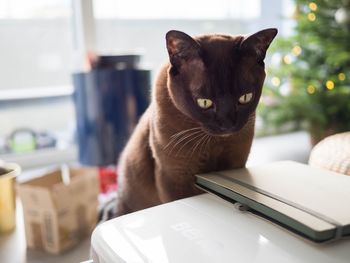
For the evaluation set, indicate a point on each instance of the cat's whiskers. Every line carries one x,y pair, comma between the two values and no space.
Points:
187,142
178,135
199,141
182,138
202,144
184,131
202,139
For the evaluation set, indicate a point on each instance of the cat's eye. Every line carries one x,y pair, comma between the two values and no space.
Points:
204,103
246,98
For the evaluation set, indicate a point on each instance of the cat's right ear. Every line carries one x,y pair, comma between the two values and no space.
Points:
259,42
181,48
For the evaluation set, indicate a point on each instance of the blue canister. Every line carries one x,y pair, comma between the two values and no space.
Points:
108,103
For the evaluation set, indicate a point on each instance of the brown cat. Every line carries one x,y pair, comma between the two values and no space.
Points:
201,117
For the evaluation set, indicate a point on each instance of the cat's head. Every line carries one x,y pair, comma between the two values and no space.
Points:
216,80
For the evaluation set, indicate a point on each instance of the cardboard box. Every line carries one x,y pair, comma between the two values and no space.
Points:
57,214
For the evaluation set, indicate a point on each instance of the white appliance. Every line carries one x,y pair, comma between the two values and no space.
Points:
205,229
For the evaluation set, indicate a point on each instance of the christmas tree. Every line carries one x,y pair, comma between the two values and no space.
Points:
308,84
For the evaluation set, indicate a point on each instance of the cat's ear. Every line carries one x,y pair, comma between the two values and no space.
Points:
181,48
259,42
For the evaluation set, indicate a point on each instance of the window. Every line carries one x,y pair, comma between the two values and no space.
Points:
35,43
35,51
181,9
140,26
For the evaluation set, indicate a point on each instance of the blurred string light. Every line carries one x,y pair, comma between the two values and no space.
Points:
296,50
275,81
287,59
311,17
341,76
311,89
330,84
313,6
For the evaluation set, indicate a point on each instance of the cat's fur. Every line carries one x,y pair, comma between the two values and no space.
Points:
175,138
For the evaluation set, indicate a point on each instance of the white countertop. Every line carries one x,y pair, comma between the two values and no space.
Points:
203,229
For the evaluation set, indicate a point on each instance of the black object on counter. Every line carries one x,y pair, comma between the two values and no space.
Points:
109,102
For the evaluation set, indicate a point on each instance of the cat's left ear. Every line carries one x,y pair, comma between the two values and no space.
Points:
181,47
259,42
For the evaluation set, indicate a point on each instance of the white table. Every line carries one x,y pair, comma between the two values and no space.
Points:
206,229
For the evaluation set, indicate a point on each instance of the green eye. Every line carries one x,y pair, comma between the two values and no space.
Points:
204,103
244,99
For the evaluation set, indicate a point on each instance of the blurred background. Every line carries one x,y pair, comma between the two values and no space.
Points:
75,76
42,43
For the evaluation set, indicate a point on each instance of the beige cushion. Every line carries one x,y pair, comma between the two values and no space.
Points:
333,153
